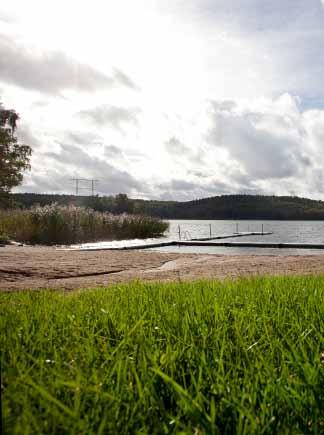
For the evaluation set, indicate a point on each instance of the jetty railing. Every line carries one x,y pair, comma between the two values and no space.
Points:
186,235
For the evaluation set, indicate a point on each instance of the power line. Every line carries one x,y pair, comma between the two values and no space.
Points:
90,185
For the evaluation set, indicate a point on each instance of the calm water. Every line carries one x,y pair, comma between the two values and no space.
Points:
283,232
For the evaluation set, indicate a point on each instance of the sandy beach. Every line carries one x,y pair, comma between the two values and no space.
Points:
46,267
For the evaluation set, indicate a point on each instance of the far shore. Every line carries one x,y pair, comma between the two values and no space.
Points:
23,268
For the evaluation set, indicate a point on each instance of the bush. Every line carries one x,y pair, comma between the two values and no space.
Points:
56,224
4,239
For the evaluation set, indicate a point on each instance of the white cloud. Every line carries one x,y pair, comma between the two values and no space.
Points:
51,72
114,116
267,145
221,95
261,146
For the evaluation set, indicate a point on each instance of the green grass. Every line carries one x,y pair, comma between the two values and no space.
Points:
55,224
211,357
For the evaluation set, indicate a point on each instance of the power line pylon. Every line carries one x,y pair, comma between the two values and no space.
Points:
78,185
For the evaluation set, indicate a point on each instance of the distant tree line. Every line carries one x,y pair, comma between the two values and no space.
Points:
218,207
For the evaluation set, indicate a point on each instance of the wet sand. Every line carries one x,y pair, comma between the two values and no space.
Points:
46,267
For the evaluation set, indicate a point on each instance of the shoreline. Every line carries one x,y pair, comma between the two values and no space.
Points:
36,268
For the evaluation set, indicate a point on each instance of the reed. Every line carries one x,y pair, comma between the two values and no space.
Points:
55,224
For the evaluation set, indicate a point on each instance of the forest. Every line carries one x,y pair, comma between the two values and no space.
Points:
217,207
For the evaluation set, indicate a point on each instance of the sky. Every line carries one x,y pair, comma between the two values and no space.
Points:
167,99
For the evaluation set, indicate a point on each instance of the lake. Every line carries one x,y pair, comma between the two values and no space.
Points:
283,232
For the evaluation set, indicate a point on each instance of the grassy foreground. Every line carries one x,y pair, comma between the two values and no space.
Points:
215,357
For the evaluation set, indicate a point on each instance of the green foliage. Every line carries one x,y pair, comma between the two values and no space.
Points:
14,158
56,224
218,207
242,356
4,239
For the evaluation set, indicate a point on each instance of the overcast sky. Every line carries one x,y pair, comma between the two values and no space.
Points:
177,99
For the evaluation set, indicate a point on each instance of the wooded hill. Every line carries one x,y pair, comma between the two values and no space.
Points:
218,207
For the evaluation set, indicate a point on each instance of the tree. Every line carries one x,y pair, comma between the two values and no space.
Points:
14,157
123,204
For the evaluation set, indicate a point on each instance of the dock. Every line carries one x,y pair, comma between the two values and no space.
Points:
204,241
214,241
207,243
231,236
253,244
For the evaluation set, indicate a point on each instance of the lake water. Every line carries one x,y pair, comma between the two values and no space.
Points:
283,232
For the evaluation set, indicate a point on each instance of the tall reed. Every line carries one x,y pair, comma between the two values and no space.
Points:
55,224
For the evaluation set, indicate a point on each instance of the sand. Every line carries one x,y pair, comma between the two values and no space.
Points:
46,267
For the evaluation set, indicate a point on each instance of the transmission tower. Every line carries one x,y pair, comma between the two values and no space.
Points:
88,184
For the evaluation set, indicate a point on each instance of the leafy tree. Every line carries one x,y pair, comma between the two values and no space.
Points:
14,157
123,204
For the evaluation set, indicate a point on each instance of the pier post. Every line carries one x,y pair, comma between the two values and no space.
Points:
210,231
179,230
237,228
262,228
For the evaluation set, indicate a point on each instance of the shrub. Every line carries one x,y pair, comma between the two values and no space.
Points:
4,239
